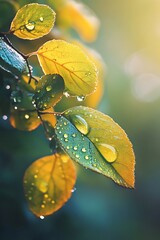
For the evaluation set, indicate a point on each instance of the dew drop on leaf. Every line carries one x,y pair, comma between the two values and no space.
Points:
108,152
80,98
49,88
26,116
66,94
81,124
30,26
41,19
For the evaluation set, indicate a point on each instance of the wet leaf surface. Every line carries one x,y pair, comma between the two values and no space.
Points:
48,183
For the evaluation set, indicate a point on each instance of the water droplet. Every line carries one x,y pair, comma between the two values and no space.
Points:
48,88
96,140
41,217
45,195
88,74
77,156
86,157
49,138
35,176
45,104
5,117
83,150
75,148
30,198
108,152
65,135
42,186
68,147
81,124
73,190
66,94
26,116
42,206
41,19
30,26
80,98
74,135
8,87
15,108
52,201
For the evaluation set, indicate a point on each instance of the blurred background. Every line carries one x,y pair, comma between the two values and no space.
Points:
129,43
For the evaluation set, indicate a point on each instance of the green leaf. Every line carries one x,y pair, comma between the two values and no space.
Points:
48,183
33,21
98,143
10,60
49,91
22,100
68,60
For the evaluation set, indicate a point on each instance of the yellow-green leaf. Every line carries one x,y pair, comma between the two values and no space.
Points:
33,21
48,183
97,142
49,91
78,71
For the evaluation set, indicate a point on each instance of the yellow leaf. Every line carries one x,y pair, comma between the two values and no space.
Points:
48,183
78,71
110,140
33,21
24,120
81,18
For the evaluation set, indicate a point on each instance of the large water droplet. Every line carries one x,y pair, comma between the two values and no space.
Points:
30,26
80,123
108,152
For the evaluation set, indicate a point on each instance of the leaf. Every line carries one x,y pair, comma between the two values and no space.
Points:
95,141
22,100
24,120
48,183
49,91
68,60
23,112
33,21
78,16
10,60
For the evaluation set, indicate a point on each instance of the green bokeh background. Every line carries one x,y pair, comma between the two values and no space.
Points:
129,42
